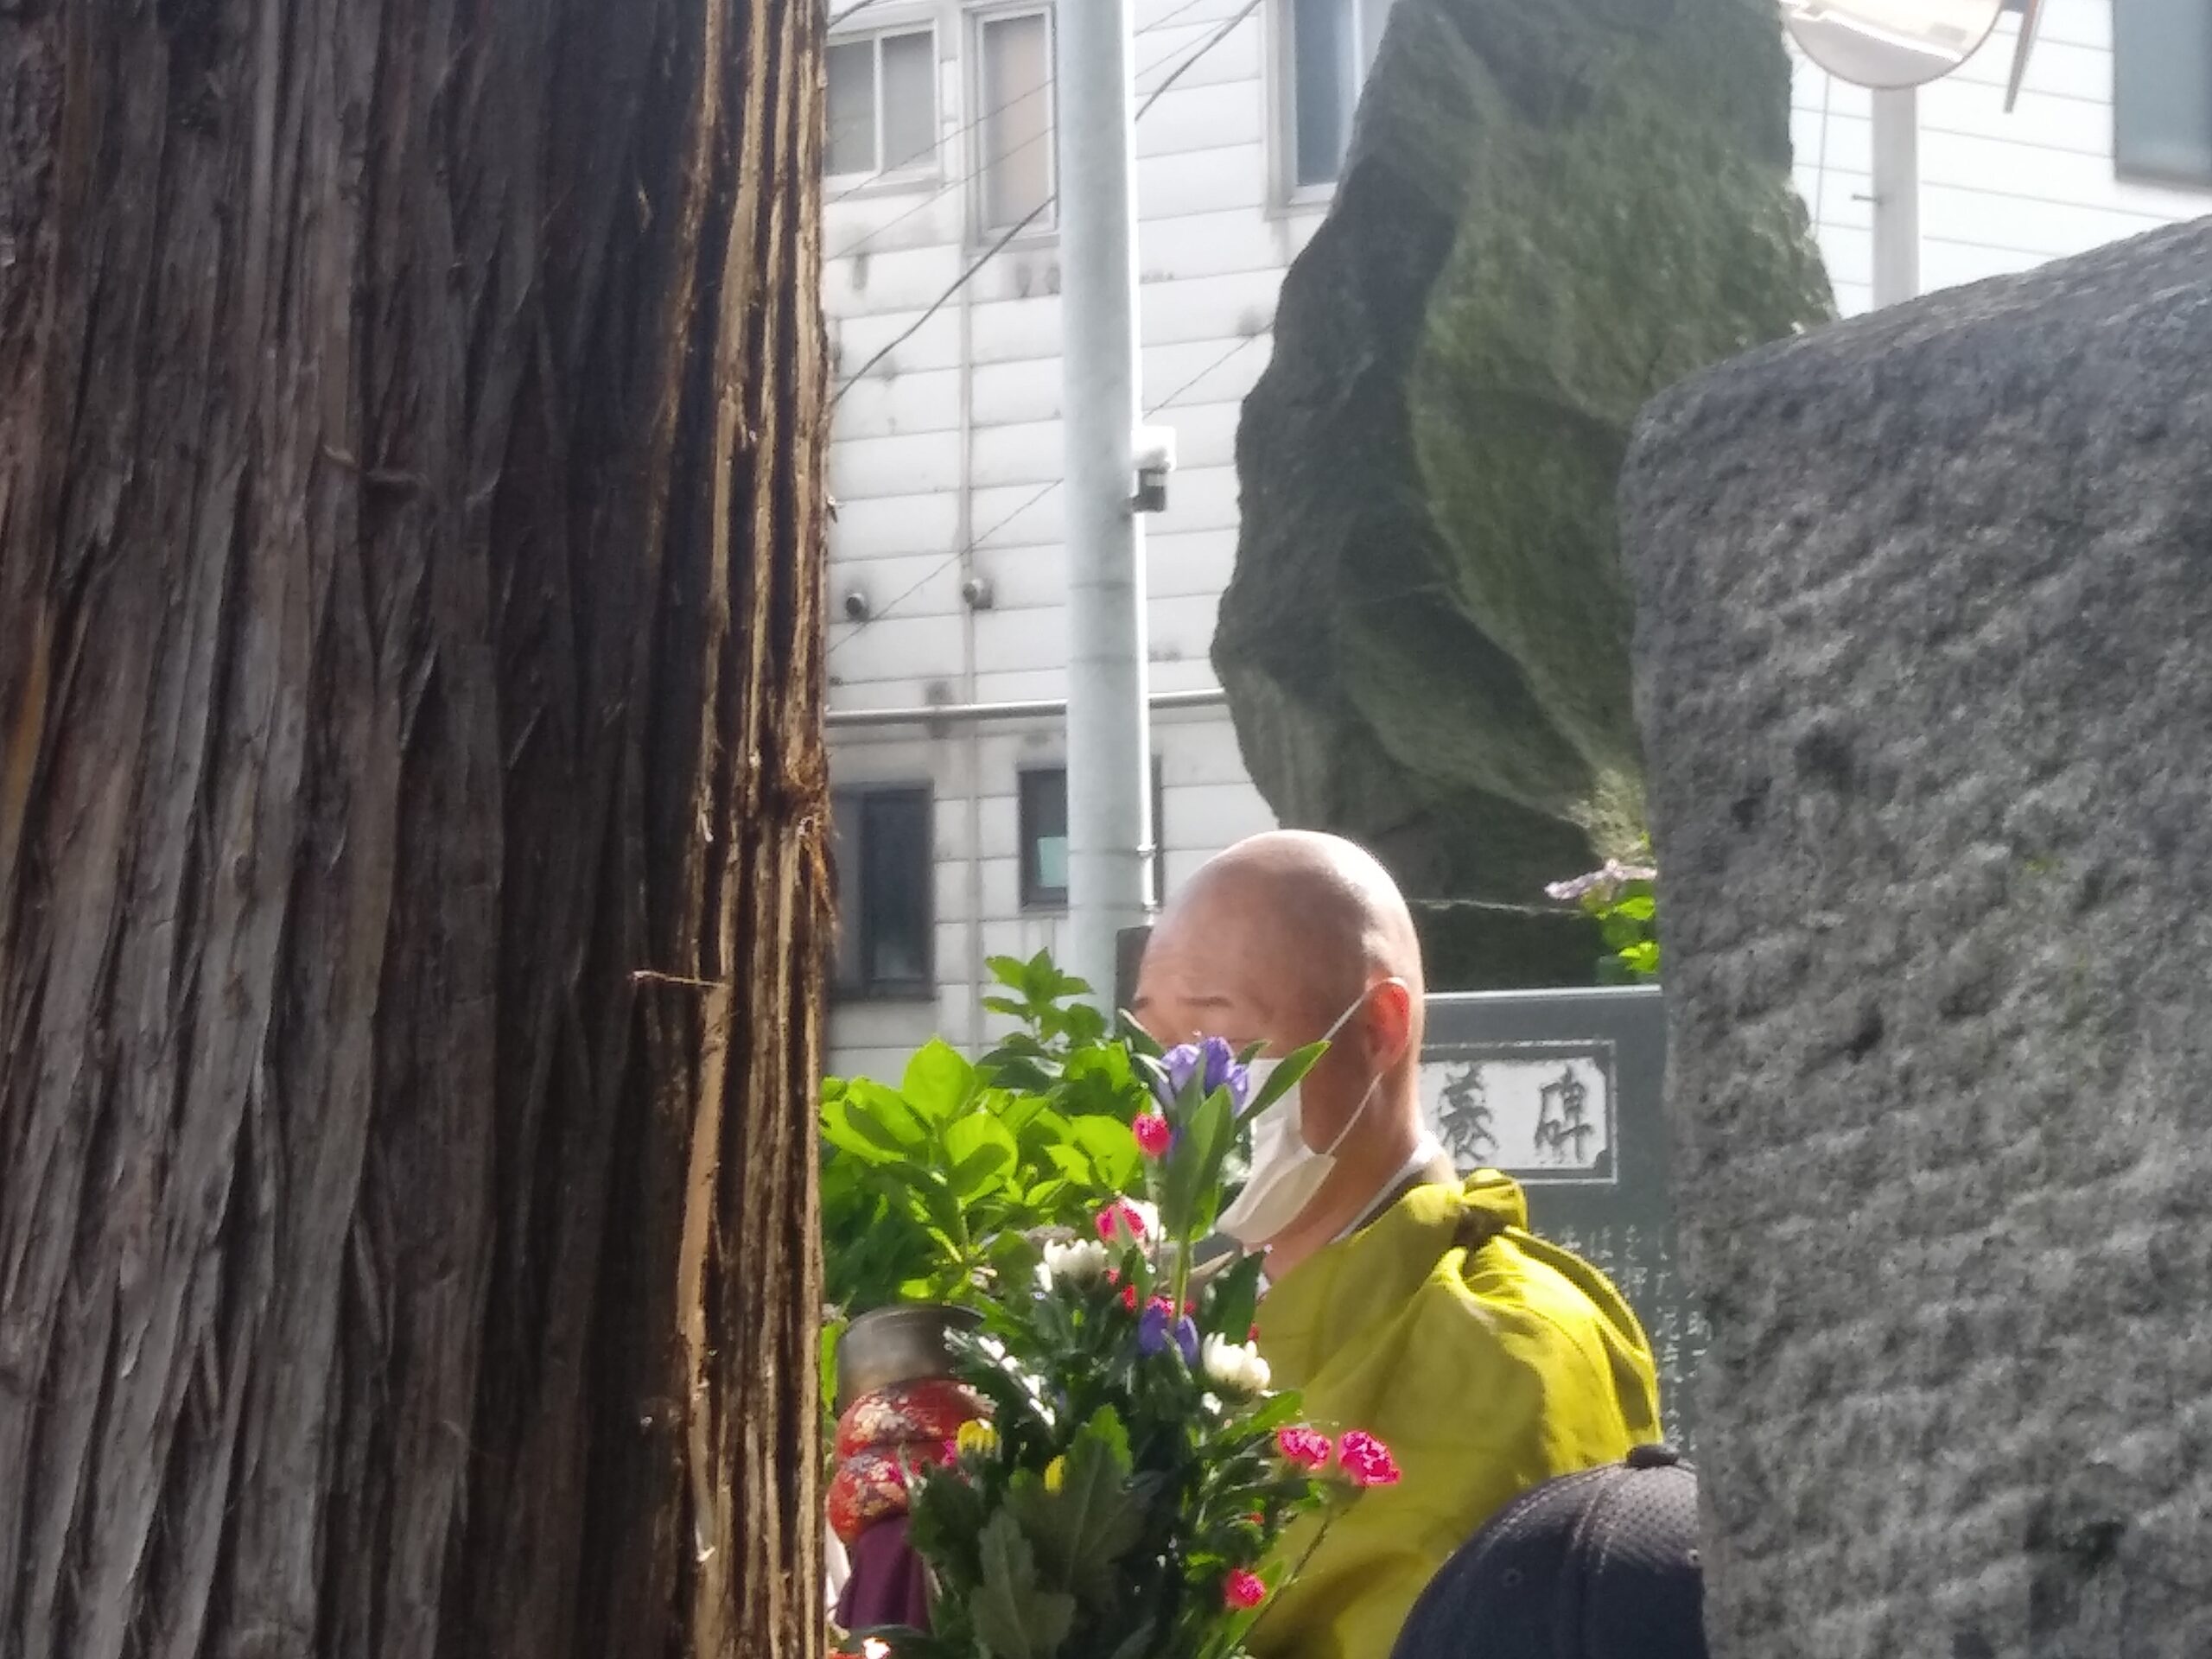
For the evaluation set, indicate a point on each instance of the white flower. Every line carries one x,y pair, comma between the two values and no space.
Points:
1082,1262
1235,1366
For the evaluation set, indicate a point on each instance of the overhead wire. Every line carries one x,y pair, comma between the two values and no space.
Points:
974,542
941,141
1006,237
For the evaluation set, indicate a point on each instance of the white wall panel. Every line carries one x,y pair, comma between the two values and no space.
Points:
2001,192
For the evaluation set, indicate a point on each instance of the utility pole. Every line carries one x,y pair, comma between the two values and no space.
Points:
1109,764
1896,190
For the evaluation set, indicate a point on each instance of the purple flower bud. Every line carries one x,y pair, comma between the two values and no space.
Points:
1181,1065
1224,1072
1157,1325
1213,1064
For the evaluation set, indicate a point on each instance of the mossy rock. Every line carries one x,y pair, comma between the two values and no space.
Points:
1552,210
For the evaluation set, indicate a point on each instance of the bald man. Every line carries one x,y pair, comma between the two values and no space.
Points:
1400,1299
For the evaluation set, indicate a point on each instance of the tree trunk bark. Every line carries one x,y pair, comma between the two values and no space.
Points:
412,828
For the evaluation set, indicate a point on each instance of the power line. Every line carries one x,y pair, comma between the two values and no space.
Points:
938,303
966,127
1027,220
852,10
1205,47
976,541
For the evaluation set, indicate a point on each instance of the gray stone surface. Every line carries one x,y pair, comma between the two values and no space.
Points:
1924,660
1552,210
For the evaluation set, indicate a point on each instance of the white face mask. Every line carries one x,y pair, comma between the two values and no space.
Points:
1287,1171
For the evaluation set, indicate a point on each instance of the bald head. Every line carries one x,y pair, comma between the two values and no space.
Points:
1274,942
1291,921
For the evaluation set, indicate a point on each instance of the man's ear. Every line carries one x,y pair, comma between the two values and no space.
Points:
1389,1023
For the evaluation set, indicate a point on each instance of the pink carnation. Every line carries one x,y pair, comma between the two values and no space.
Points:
1365,1460
1154,1135
1244,1590
1307,1447
1120,1219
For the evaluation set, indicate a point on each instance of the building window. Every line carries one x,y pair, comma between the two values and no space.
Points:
885,880
1328,48
1044,807
2162,90
883,116
1015,131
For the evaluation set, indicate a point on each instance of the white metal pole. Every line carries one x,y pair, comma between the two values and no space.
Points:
1110,770
1897,196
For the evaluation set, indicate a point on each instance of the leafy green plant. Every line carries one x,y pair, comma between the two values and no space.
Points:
1623,899
929,1186
1127,1496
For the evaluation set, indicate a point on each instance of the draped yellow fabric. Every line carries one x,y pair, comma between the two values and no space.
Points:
1488,1360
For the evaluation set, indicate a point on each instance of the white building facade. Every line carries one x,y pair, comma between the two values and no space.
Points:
948,576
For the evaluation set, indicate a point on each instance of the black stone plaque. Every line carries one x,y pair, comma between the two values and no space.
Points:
1564,1090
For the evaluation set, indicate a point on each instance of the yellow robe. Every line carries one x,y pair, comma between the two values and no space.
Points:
1487,1359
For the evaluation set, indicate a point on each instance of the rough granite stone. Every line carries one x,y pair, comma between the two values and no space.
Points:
1551,209
1923,655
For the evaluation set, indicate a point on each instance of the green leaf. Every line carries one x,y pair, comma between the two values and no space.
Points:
858,1131
1081,1531
1194,1166
1015,1616
1139,1643
1285,1076
1235,1297
1072,1163
940,1082
982,1150
945,1523
1112,1150
1141,1042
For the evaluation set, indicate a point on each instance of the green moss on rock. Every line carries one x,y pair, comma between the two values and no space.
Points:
1552,210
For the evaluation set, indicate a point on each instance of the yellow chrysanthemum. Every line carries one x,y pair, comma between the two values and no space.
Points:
1056,1474
976,1440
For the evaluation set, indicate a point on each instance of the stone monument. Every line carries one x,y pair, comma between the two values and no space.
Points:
1923,667
1551,210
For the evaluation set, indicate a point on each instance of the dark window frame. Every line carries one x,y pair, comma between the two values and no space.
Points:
984,226
862,816
1295,64
888,171
1036,897
2141,55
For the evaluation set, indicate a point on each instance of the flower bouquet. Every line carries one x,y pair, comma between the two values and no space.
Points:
1126,1495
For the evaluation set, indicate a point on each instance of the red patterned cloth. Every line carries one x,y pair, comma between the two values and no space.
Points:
932,1410
871,1486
